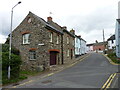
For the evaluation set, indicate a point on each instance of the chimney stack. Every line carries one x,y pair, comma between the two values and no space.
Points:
96,41
49,19
64,27
72,31
79,36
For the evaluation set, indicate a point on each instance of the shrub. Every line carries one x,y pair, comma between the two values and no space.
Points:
15,63
5,48
113,57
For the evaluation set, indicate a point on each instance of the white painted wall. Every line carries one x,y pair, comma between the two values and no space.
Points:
111,44
117,37
77,46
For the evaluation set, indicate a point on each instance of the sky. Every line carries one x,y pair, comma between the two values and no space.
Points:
87,17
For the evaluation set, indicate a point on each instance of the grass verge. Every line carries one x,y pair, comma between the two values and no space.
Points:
23,75
113,57
15,80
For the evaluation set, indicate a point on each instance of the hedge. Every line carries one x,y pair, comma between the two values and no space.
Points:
14,63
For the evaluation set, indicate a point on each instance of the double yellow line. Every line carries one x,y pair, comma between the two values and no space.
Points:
108,82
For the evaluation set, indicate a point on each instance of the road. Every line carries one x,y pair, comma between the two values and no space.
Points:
92,72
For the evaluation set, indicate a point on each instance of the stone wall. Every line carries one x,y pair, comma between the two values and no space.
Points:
68,46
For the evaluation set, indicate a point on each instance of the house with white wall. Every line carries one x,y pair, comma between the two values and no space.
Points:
77,46
80,46
111,42
83,47
117,37
89,48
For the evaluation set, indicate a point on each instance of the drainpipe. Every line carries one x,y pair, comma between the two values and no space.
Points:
62,49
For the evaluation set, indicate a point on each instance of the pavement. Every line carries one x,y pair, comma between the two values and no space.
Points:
89,71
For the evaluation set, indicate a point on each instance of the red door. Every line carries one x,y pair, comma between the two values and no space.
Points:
53,57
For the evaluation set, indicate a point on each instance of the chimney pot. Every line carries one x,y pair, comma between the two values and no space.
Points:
72,31
79,36
49,19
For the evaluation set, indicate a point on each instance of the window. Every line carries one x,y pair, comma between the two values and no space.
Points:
67,40
76,40
68,52
112,41
32,54
26,39
51,36
57,39
73,42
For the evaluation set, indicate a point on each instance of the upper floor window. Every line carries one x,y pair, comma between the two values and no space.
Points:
57,39
67,40
76,40
51,36
26,38
32,54
73,42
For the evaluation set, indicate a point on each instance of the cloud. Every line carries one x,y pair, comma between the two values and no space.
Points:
87,17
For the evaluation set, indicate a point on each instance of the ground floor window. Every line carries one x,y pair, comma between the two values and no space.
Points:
68,52
32,54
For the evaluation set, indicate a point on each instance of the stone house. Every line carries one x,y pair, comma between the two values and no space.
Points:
41,43
68,45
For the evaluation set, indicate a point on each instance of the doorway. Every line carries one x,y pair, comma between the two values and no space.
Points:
53,57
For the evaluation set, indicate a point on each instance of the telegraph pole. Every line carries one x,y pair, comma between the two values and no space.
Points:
104,41
103,36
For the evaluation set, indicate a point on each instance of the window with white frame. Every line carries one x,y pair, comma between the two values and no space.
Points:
57,39
68,53
51,36
26,38
67,40
32,54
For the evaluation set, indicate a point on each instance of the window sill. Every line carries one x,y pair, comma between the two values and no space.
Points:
32,59
25,43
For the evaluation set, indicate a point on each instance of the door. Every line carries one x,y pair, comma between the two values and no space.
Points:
53,57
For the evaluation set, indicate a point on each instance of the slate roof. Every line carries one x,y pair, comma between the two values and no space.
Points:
68,33
48,26
100,43
89,44
97,44
80,38
118,20
111,38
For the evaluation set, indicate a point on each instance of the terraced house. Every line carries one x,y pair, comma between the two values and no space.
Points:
68,45
42,43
